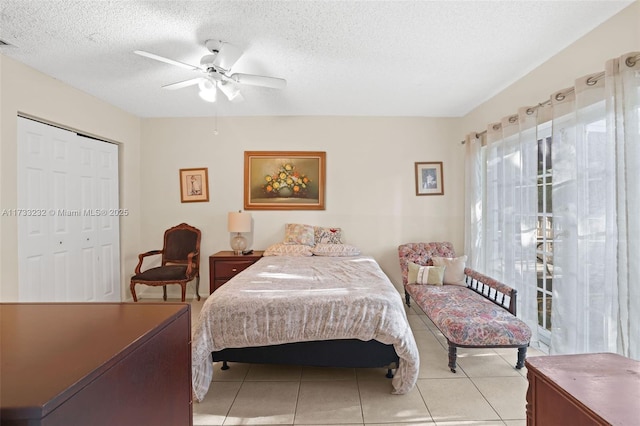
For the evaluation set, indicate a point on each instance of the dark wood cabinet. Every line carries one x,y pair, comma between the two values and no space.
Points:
98,364
225,265
583,390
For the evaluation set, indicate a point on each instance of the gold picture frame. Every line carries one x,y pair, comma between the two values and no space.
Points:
194,185
429,180
284,180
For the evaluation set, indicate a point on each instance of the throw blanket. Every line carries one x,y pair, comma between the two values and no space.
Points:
285,299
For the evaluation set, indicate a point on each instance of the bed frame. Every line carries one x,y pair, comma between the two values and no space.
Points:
346,353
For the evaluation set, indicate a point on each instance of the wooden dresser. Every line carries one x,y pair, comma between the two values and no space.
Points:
225,265
589,389
95,364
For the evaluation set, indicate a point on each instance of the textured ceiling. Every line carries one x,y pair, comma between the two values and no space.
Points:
386,58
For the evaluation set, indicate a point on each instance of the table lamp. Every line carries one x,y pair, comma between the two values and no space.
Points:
239,222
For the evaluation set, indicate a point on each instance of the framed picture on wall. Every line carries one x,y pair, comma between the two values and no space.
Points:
284,180
429,178
194,185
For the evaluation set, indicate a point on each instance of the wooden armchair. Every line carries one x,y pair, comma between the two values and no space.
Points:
180,262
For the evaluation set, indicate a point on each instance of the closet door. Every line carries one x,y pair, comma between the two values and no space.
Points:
64,183
99,239
45,241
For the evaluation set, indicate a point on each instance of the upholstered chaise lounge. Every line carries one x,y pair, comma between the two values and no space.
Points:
476,315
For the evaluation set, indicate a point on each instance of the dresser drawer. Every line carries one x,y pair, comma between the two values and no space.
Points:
218,283
225,265
230,268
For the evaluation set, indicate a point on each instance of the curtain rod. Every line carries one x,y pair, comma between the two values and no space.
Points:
631,61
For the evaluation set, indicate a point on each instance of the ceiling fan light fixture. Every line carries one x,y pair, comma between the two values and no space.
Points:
206,84
207,90
229,90
208,95
216,68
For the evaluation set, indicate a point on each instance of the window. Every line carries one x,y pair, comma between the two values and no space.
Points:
544,243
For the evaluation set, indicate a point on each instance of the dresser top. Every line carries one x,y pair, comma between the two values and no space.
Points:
606,383
230,254
49,349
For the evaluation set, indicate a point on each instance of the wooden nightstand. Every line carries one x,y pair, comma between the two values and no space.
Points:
225,265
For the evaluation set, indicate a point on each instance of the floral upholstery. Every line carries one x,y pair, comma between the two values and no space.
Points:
468,319
465,317
421,253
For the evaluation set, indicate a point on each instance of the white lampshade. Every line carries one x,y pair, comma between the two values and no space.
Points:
239,222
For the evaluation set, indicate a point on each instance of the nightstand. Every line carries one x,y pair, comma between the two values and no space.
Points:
225,265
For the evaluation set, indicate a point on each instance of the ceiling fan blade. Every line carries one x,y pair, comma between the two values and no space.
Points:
181,84
166,60
259,80
227,54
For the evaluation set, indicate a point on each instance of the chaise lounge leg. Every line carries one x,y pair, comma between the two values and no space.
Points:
224,366
522,354
453,355
407,298
389,374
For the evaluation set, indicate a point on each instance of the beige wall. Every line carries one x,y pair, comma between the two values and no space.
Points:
26,91
370,177
370,160
616,36
370,190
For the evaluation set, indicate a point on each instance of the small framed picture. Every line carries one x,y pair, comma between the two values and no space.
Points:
194,185
429,178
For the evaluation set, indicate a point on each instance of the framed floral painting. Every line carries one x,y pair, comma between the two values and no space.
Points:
194,185
429,178
284,180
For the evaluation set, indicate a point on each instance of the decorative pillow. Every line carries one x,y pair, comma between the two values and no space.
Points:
418,274
281,249
454,269
327,235
335,250
296,233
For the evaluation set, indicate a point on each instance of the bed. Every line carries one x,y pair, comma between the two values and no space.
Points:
342,310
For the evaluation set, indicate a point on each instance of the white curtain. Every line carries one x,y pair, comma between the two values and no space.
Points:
583,315
526,220
596,182
474,179
622,85
501,207
596,209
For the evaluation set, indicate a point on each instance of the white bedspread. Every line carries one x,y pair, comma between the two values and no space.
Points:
284,299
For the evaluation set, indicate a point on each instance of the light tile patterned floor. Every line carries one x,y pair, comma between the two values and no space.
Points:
485,391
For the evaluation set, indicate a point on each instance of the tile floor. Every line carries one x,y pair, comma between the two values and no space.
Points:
486,390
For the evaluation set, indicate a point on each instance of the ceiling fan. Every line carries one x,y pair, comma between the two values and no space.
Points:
216,68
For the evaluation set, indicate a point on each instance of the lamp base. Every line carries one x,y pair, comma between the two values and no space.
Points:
238,244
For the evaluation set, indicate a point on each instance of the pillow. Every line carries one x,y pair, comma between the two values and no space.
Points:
418,274
454,269
295,233
327,235
281,249
335,250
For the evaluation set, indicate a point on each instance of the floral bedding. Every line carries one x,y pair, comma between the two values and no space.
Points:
284,299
